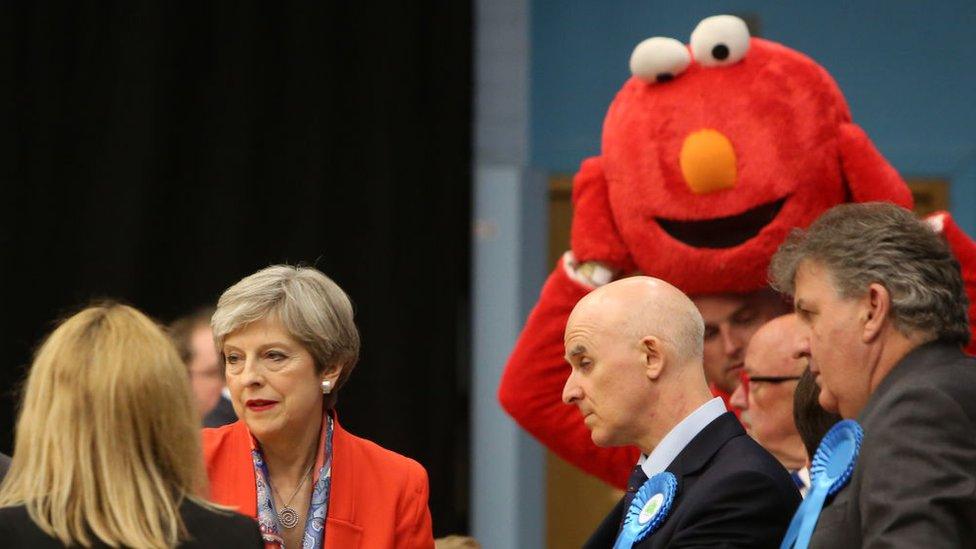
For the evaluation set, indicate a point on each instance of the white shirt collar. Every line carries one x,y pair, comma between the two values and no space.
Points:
675,441
804,475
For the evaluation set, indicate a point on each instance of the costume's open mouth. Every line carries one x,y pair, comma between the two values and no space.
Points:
722,232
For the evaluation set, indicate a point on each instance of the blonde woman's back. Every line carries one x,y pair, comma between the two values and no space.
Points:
206,528
107,449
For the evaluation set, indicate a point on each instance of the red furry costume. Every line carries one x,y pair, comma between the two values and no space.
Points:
704,210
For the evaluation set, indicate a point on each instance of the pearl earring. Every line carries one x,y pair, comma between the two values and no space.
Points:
326,386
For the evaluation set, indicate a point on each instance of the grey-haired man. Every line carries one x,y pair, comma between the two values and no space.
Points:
883,302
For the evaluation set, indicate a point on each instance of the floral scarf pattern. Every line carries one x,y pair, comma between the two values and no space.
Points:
318,508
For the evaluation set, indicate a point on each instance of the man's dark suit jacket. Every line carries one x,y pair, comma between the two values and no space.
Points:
914,484
206,528
222,414
731,493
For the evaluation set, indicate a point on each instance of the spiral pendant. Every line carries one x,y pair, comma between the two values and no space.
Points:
288,517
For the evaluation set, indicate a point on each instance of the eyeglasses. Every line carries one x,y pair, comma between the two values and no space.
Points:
748,380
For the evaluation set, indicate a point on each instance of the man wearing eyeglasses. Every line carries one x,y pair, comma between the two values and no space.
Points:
765,396
730,322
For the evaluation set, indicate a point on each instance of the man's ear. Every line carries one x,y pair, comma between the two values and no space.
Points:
877,309
654,358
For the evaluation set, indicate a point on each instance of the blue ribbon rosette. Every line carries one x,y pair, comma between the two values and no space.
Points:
648,510
830,470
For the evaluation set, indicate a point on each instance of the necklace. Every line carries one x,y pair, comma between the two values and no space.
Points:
288,517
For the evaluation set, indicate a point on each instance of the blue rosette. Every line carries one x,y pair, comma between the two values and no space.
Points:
648,510
836,455
830,471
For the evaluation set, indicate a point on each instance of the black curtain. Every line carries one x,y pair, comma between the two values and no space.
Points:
157,152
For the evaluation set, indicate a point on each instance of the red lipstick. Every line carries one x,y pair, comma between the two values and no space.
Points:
260,405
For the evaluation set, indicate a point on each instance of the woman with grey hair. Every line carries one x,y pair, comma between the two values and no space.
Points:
289,343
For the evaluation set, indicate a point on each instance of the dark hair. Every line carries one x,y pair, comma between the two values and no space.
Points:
181,331
878,242
812,421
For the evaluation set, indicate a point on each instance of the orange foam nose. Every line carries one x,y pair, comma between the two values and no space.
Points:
707,162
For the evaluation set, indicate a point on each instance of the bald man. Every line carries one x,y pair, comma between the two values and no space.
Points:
635,348
773,367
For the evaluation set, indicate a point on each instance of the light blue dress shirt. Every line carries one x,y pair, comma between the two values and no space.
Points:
675,441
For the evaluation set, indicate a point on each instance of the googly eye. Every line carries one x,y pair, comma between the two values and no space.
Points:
659,59
720,40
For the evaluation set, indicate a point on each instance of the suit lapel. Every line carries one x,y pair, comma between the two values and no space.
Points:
689,463
342,528
705,445
692,458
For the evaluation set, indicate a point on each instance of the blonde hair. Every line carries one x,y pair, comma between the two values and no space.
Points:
312,308
107,443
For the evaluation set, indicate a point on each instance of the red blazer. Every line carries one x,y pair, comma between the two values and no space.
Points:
378,497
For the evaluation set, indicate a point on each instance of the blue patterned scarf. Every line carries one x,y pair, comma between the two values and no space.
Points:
318,507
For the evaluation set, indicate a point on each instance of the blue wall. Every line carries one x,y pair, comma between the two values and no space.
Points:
908,70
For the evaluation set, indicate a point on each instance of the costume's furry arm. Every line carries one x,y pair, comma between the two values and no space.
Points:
594,235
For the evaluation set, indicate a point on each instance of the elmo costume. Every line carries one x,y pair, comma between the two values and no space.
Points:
711,153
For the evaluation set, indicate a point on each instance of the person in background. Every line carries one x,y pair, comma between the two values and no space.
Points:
730,322
107,449
289,344
194,340
883,305
765,397
632,345
812,421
